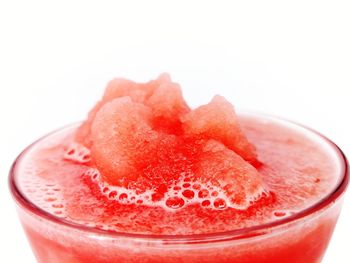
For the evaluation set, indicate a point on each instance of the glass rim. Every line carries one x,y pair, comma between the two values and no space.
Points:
236,234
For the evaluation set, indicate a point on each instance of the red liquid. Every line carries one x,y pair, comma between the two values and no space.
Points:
299,169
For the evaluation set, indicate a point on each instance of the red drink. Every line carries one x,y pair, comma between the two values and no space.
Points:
73,212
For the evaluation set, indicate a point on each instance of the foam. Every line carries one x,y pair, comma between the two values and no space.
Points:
179,194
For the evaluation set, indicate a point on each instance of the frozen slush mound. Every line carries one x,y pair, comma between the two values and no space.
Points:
144,137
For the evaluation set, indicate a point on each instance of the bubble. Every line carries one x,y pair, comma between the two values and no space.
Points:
123,196
283,213
214,193
206,203
203,193
71,152
186,185
175,202
189,194
196,186
219,203
112,194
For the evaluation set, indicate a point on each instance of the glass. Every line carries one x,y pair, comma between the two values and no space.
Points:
300,237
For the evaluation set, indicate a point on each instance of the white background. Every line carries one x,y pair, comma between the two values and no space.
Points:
290,58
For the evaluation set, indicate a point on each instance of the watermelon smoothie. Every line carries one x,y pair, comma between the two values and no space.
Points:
147,179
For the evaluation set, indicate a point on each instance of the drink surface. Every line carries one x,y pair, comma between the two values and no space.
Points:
297,170
144,162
